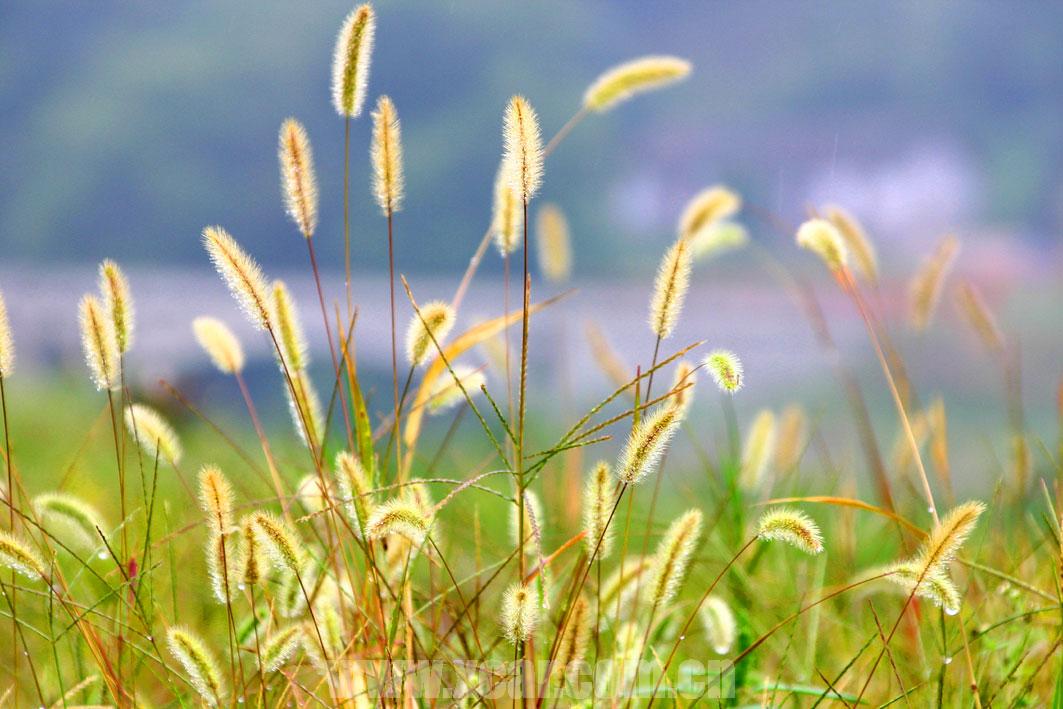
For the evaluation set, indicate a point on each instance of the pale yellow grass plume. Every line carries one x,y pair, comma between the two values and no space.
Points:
572,646
949,535
597,505
198,662
298,181
399,516
622,585
241,274
647,443
757,450
251,564
979,317
386,155
305,408
446,393
153,433
72,519
924,290
938,422
860,245
223,567
523,159
437,318
790,526
118,300
520,613
725,369
290,333
718,238
507,214
634,77
606,357
311,495
350,61
706,208
220,344
216,499
533,517
354,488
280,646
7,342
823,239
20,557
792,437
721,630
933,585
555,249
670,289
673,556
99,343
279,541
683,381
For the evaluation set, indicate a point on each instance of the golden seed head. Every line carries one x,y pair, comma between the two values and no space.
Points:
304,405
790,526
793,436
445,391
100,344
647,443
279,541
597,505
523,157
198,663
399,516
78,519
386,154
435,321
280,646
20,557
856,238
682,388
311,495
673,556
606,357
354,487
757,451
725,369
721,629
153,433
924,290
933,585
7,343
216,499
706,208
350,62
220,344
520,613
241,274
949,535
507,214
718,238
290,333
222,566
620,586
634,77
670,289
822,238
978,315
572,646
555,251
298,181
251,563
118,301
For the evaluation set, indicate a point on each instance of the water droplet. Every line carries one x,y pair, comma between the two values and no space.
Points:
930,509
240,587
947,659
102,555
150,638
682,637
951,611
240,700
721,649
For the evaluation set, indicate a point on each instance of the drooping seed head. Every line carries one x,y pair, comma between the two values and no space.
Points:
979,317
924,290
933,584
949,535
386,154
446,393
706,208
520,613
858,242
216,499
790,526
20,557
792,438
7,342
350,62
718,238
290,333
725,369
220,344
597,505
399,516
647,443
682,388
634,77
118,302
241,274
507,214
721,630
437,318
77,521
670,289
354,488
822,238
555,251
153,433
298,180
304,405
280,646
757,451
673,556
523,158
199,664
279,541
99,343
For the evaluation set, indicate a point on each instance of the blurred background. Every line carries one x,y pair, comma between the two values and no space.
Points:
128,126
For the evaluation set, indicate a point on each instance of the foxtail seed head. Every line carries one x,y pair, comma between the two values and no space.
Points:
758,450
520,613
290,333
18,556
197,662
597,505
241,274
305,408
721,630
398,516
216,499
252,565
949,535
683,386
99,343
533,516
573,643
222,566
7,343
446,392
673,556
647,443
386,154
822,238
860,245
279,541
933,585
634,77
354,488
670,289
437,318
924,290
555,251
725,369
793,434
280,646
77,518
118,301
153,433
523,158
718,238
790,526
506,217
706,208
220,344
979,316
298,181
350,62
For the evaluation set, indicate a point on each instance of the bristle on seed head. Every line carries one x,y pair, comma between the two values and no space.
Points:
386,154
520,613
435,317
822,238
523,159
7,342
790,526
860,245
398,516
924,290
673,556
290,335
199,664
118,301
706,208
597,506
220,344
298,181
99,343
241,274
153,433
350,62
725,369
647,443
634,77
555,251
670,289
